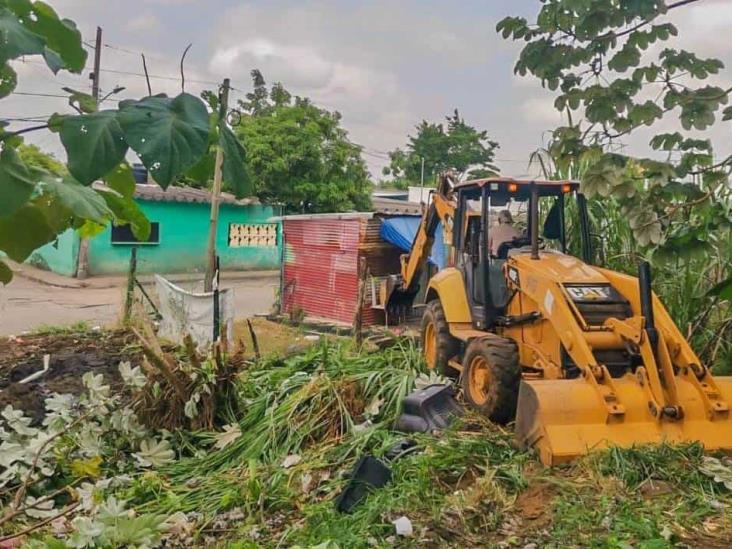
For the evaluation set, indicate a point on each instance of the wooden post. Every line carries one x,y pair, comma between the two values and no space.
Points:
360,300
82,260
214,220
131,275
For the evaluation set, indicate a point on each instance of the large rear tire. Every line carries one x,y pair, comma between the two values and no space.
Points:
491,377
438,345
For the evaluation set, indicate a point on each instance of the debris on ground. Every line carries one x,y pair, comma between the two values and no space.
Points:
368,474
71,355
88,472
432,408
403,527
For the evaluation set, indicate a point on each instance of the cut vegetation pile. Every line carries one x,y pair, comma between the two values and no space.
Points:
268,474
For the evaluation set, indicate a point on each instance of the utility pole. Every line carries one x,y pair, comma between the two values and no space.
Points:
214,220
82,262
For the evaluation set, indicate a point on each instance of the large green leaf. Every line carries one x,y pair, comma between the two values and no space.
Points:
8,80
16,39
6,275
16,182
82,202
127,211
25,231
94,144
202,171
122,180
62,38
234,169
169,135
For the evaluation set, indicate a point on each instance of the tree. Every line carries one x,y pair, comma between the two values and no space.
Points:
171,135
458,147
611,83
614,77
298,155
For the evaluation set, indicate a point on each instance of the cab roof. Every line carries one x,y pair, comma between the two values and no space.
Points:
525,183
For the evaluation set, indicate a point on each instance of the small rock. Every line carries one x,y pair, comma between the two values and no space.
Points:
291,461
306,483
715,504
531,546
403,526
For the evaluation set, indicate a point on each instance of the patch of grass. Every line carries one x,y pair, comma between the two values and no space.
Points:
678,464
467,486
80,327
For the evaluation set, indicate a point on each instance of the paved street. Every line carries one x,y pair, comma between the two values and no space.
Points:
27,304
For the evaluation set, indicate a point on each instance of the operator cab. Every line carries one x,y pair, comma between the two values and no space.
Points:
543,214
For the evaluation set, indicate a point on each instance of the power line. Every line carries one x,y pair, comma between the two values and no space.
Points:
139,74
34,94
160,77
38,118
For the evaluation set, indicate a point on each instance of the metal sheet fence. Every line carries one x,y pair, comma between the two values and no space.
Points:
321,259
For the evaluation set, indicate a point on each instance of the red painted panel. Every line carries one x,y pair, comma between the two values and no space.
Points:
321,266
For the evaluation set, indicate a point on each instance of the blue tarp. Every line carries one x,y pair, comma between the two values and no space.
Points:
401,231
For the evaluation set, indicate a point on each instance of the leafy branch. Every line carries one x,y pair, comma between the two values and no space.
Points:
172,136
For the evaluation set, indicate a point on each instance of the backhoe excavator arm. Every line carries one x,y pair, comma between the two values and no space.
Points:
441,209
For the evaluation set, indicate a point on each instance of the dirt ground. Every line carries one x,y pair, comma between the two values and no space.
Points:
27,305
71,356
272,337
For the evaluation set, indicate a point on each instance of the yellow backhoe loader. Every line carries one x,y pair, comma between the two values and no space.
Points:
580,356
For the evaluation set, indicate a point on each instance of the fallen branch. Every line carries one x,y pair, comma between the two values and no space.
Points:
159,361
255,343
36,503
20,494
191,351
41,524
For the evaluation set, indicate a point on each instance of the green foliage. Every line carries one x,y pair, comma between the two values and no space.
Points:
457,146
677,206
169,134
94,144
298,155
16,180
235,173
33,157
39,197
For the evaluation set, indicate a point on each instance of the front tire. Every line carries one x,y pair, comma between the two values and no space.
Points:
438,345
491,377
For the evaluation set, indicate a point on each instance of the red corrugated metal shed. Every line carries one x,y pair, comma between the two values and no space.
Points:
321,258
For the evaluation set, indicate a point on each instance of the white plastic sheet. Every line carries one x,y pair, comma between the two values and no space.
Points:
191,313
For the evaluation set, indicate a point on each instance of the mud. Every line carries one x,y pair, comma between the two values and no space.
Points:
535,505
71,356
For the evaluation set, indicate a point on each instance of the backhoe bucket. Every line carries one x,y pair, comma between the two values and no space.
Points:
564,419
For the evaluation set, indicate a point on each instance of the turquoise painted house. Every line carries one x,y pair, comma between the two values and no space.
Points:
179,216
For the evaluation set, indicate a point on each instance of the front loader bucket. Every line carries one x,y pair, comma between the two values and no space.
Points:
564,419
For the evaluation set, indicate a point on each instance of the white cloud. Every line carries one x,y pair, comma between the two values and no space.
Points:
541,110
144,23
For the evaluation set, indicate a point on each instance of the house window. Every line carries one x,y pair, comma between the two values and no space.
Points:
248,235
122,234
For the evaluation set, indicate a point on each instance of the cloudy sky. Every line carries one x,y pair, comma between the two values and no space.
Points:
385,65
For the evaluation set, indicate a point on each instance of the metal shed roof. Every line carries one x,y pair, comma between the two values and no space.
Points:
147,191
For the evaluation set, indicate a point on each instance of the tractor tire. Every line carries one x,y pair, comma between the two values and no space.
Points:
438,345
491,376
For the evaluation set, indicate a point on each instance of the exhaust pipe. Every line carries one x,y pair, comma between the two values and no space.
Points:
646,302
534,221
